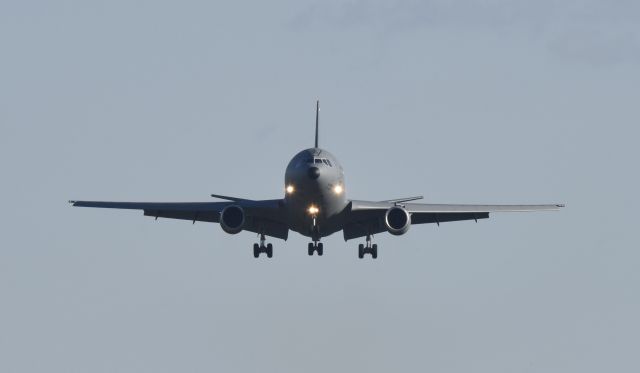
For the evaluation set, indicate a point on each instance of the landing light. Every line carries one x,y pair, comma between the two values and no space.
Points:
337,189
290,189
313,210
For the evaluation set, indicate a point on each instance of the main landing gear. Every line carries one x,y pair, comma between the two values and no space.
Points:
315,246
368,249
261,248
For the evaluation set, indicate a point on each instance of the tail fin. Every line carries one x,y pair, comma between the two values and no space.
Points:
317,117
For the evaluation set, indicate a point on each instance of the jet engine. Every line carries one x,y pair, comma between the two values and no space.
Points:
232,219
397,220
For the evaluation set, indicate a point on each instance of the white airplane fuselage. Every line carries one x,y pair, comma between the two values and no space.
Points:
315,195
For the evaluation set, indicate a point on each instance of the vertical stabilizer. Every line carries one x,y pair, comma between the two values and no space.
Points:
317,118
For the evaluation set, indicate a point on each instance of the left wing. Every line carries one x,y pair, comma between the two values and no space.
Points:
367,217
264,216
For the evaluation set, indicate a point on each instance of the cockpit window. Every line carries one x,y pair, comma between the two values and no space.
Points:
315,161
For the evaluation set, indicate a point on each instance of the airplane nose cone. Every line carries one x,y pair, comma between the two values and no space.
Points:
313,173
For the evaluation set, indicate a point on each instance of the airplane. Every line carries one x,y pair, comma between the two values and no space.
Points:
315,205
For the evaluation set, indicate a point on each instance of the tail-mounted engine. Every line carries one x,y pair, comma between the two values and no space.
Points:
232,219
397,220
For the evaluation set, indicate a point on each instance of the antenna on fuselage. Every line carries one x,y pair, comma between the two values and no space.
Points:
317,118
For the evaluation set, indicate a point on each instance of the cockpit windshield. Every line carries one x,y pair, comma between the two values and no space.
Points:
317,161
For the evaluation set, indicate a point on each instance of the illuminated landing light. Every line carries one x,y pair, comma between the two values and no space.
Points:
338,189
313,210
290,189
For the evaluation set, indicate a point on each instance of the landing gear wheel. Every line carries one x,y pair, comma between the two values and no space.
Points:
262,248
269,250
368,248
315,247
311,249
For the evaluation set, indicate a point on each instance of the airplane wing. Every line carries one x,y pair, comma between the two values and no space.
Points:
266,216
367,217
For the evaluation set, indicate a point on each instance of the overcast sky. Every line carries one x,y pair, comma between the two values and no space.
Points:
470,102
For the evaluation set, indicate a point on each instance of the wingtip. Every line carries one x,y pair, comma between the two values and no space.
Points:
560,205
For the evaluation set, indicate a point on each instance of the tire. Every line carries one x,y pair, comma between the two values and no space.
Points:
311,249
256,250
374,251
361,251
320,249
269,250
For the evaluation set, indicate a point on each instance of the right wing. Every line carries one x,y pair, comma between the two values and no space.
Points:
448,208
367,217
265,216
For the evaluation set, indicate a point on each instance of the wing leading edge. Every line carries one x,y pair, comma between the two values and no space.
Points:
450,208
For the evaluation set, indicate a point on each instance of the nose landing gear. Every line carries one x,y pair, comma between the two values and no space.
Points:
368,249
262,248
315,246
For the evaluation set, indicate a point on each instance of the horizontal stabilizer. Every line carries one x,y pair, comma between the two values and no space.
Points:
407,199
228,198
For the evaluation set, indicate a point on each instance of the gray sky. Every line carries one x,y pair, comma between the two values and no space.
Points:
477,102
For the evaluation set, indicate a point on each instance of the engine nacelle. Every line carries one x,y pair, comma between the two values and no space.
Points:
232,219
397,220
